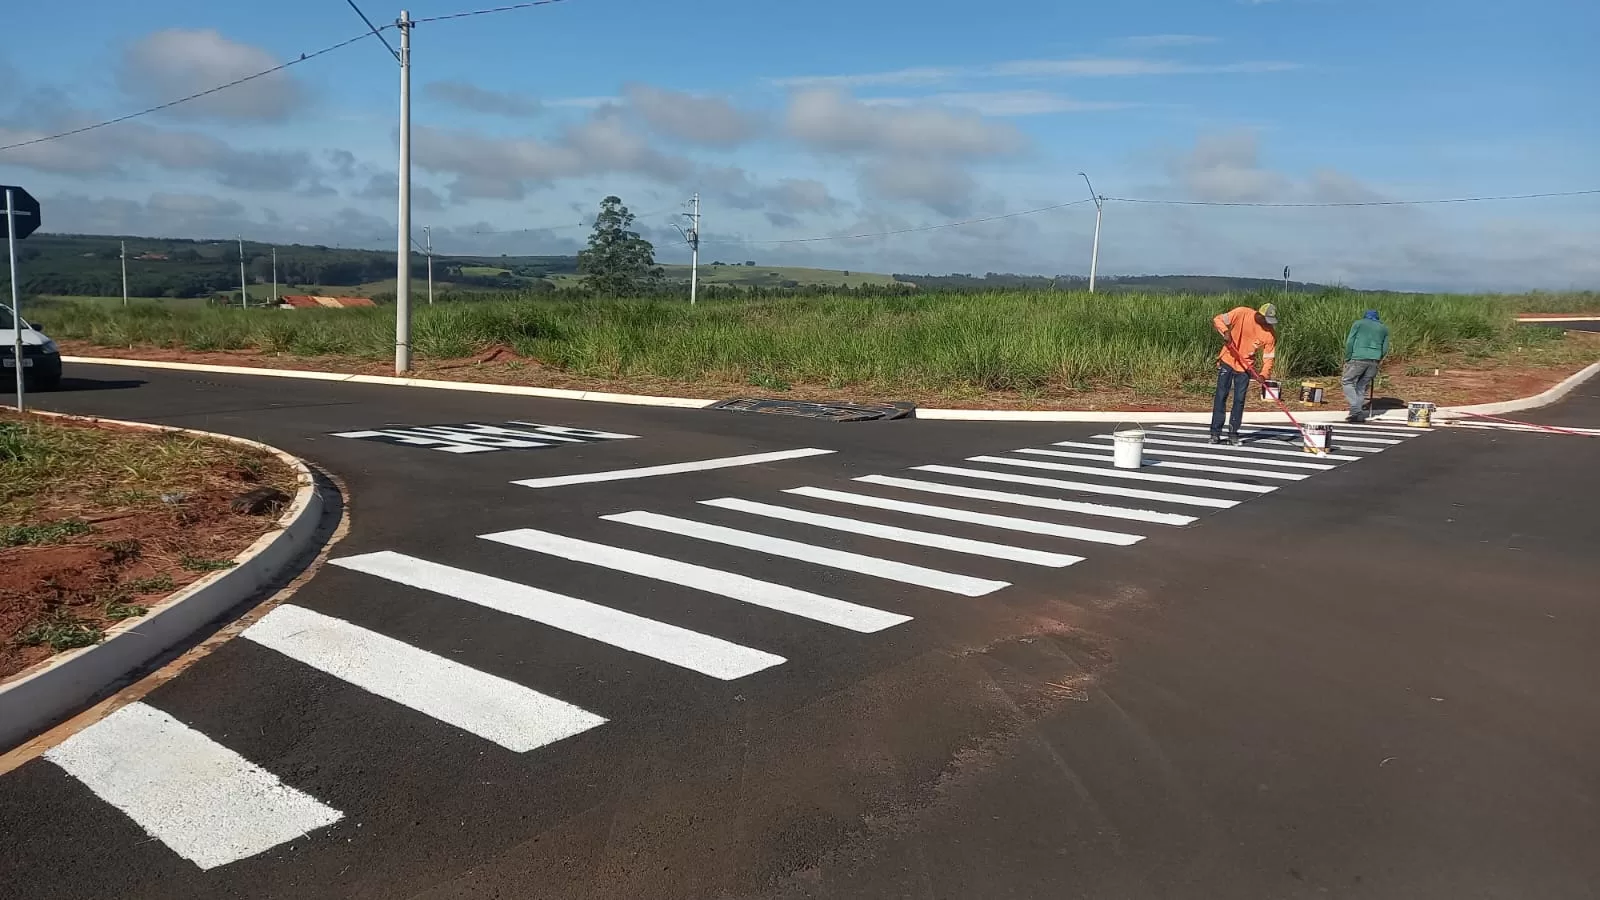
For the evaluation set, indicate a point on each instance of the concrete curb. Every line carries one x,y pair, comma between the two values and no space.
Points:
960,415
53,689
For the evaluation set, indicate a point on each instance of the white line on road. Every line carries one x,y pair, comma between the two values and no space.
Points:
1009,523
701,465
903,535
1320,467
1110,472
1085,487
679,646
1286,434
515,717
207,803
1076,506
1161,464
1245,452
822,556
713,581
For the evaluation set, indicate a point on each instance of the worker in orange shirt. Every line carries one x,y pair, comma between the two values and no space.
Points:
1245,332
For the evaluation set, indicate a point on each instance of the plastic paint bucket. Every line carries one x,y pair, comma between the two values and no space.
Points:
1419,414
1128,449
1319,436
1271,390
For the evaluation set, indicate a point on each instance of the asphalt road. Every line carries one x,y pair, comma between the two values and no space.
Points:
1373,682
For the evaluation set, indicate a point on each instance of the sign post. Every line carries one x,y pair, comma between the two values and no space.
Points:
22,219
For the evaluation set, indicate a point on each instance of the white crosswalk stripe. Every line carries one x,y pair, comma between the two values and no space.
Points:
822,556
515,717
1076,506
1287,434
1149,451
637,634
1081,486
1278,474
1258,443
1109,472
727,584
1029,526
1252,452
903,535
205,802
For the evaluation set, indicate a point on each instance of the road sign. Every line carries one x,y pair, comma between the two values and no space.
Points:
26,213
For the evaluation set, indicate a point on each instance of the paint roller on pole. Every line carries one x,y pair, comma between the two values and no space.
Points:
1276,397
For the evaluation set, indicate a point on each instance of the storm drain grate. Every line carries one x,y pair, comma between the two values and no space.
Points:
833,412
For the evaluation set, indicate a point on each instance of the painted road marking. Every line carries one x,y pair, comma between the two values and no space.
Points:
702,465
1085,487
477,437
1294,435
1253,443
1088,509
1321,467
1027,526
1569,430
895,533
207,803
822,556
1110,472
1193,467
1247,452
515,717
679,646
713,581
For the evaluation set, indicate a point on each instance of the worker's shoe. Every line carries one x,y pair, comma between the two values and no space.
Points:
1215,439
1234,440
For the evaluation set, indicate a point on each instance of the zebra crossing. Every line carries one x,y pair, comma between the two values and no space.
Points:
1049,507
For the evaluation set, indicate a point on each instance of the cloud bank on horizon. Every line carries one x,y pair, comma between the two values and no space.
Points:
831,119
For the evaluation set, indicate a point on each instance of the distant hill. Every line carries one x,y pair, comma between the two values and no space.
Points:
1147,284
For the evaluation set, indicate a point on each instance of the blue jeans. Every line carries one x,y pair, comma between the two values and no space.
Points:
1229,382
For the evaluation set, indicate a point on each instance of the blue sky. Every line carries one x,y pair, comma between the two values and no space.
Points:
832,118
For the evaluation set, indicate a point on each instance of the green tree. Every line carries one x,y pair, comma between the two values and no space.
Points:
618,260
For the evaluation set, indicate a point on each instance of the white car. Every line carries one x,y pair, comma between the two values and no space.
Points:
41,358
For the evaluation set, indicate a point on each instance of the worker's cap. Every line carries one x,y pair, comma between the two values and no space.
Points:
1269,311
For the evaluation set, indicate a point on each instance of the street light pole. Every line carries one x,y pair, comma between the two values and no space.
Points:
124,273
402,295
427,233
275,300
694,248
244,295
1099,208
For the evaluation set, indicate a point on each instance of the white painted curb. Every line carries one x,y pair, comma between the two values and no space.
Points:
55,688
963,415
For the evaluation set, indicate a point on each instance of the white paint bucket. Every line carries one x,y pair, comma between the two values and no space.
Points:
1319,436
1128,449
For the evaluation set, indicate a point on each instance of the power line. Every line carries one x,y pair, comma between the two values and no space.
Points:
484,12
849,237
375,32
1357,202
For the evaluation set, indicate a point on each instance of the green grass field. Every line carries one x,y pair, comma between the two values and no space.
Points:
995,341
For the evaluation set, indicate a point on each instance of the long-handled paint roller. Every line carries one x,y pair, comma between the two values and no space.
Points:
1276,398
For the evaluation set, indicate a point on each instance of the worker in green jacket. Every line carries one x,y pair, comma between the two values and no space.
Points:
1364,349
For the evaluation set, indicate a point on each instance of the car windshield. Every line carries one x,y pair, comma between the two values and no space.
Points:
5,317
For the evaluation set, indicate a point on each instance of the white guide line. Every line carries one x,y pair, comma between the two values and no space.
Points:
702,465
822,556
1320,467
1245,453
517,718
678,646
1160,464
1254,442
1338,435
1109,472
1508,426
205,802
1082,486
1088,509
1009,523
765,594
903,535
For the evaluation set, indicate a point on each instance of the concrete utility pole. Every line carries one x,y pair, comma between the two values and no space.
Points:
275,300
427,234
124,273
692,238
244,292
402,293
1099,208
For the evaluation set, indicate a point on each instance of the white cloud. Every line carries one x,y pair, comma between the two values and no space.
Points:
712,121
177,62
941,187
483,100
831,120
1226,168
1005,104
1082,67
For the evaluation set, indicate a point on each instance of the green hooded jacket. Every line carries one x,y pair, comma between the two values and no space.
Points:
1369,339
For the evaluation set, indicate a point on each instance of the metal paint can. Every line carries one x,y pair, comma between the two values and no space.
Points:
1419,414
1271,390
1319,437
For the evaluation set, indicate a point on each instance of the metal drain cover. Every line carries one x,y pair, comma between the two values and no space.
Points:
833,412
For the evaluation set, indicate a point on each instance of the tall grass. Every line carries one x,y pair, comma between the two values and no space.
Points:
999,340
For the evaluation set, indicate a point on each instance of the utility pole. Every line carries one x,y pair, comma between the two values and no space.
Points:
1099,208
124,273
402,293
244,293
427,233
692,238
16,293
275,300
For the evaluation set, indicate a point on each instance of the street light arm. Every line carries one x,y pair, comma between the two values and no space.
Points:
1092,195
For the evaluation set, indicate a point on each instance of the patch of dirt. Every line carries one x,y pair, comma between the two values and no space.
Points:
130,549
1461,379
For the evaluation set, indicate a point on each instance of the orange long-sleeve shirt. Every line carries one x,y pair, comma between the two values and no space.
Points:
1240,330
